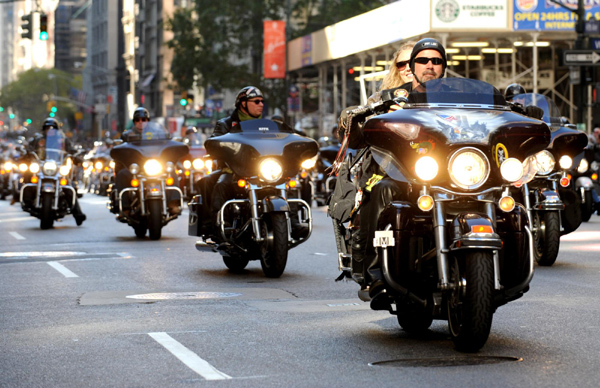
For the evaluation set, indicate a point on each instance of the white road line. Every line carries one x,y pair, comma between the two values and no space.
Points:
189,358
17,219
62,269
16,235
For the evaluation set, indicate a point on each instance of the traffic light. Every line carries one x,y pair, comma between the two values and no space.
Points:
27,26
190,99
43,27
183,102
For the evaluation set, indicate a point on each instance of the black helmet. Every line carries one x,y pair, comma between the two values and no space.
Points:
246,93
50,122
428,44
141,112
512,90
191,129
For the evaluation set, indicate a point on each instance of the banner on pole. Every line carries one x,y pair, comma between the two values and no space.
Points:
274,49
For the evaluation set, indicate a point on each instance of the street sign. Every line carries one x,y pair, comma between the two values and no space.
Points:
581,58
592,27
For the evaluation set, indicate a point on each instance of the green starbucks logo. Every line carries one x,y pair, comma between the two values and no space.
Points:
447,10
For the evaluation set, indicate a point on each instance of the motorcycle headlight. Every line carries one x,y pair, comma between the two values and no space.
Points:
187,164
8,166
544,162
24,167
208,164
152,167
111,164
198,164
98,165
170,167
469,168
49,167
86,164
309,163
583,166
511,170
64,170
134,169
565,162
34,168
426,168
270,170
595,166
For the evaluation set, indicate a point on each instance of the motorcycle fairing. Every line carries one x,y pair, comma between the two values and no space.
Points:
548,200
140,151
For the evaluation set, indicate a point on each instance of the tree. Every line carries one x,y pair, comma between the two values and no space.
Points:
29,94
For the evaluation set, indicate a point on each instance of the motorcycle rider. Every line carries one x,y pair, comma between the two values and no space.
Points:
249,105
123,176
37,145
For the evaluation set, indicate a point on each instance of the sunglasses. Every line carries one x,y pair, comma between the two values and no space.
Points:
138,119
401,65
425,60
257,102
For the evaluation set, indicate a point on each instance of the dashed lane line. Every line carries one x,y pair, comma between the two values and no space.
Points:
16,235
62,269
189,358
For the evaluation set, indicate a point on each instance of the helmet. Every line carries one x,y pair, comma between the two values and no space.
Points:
141,112
50,122
246,93
428,44
190,129
512,90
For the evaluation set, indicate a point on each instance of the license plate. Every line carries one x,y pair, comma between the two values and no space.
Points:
384,238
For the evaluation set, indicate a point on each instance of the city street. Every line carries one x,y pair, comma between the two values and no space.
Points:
94,306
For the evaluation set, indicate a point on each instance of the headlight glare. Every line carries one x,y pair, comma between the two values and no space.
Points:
33,167
152,167
23,167
583,166
565,162
8,166
309,163
469,168
134,168
50,167
511,170
426,168
544,162
98,165
198,164
187,164
270,170
64,170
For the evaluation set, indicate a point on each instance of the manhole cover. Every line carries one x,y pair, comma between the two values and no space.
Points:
446,361
184,295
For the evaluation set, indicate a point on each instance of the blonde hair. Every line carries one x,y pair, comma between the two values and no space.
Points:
393,79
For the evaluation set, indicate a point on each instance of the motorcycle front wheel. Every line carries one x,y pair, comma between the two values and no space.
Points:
546,237
274,249
470,303
154,217
47,214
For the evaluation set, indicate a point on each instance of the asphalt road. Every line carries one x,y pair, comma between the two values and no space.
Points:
93,306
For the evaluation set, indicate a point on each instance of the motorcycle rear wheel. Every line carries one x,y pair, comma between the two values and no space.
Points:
587,208
47,214
275,247
154,219
546,237
470,303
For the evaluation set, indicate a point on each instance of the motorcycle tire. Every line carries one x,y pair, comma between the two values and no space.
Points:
587,208
47,214
235,264
154,219
275,247
546,237
470,304
141,229
306,193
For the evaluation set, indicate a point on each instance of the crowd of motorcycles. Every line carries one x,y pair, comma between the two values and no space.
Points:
489,193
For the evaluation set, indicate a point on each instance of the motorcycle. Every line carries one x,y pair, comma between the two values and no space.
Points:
193,166
553,207
457,245
256,225
151,160
48,195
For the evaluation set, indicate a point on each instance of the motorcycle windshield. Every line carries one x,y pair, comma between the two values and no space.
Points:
52,146
151,131
456,92
551,112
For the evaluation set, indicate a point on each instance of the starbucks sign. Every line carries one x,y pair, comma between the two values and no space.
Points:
447,10
469,14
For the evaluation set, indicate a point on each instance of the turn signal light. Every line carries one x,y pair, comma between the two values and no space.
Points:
170,181
425,202
292,184
187,173
482,228
303,174
564,182
34,179
507,204
63,182
241,183
594,176
135,183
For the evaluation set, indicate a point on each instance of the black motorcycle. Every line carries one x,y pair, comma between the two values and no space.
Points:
256,225
47,192
151,160
457,245
553,207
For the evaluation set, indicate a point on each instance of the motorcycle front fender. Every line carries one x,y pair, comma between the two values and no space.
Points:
274,203
585,182
472,230
548,200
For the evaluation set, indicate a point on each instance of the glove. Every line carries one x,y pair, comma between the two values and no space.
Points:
534,111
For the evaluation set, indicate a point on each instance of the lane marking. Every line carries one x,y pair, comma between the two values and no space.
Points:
16,235
17,219
62,269
189,358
